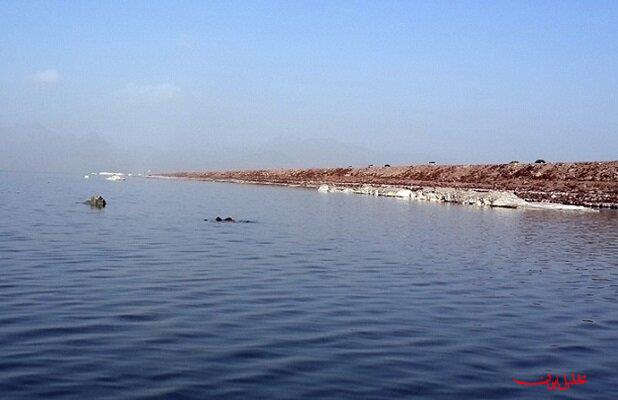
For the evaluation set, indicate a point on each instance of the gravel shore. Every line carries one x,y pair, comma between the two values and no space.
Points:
590,184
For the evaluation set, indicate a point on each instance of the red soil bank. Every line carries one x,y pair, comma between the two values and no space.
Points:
593,184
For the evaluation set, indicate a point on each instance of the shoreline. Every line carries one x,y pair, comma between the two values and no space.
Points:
566,186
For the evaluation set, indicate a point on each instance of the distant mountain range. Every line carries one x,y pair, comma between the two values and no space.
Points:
36,148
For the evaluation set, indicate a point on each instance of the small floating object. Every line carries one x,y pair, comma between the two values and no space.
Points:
96,202
111,173
116,178
231,220
86,176
219,219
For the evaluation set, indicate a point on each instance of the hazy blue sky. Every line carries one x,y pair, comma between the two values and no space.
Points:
482,81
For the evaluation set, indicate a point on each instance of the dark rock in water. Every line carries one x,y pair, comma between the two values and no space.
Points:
96,202
230,219
219,219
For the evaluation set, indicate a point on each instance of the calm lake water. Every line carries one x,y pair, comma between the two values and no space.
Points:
324,296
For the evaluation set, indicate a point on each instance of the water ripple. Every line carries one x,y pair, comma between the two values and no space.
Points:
328,297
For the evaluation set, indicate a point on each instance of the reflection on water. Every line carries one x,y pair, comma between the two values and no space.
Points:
325,296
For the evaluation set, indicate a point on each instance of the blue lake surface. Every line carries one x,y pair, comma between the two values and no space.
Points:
325,296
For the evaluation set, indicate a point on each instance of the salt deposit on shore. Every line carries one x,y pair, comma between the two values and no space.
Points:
489,198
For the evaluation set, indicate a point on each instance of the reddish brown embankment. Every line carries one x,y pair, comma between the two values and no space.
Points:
592,184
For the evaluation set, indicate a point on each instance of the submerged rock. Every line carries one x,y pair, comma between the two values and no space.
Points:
96,202
219,219
232,220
